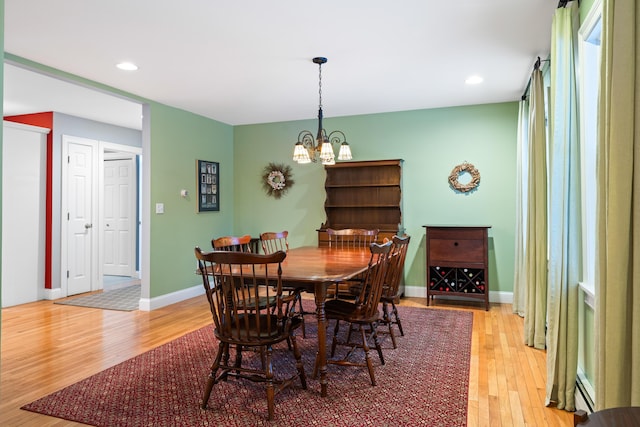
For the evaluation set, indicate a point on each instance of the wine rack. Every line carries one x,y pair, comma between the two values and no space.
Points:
457,262
465,280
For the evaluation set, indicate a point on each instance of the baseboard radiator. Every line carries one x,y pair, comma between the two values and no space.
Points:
583,396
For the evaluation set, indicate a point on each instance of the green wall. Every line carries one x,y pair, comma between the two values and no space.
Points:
178,139
431,142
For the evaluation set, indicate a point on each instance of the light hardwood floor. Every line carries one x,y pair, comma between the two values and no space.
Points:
47,346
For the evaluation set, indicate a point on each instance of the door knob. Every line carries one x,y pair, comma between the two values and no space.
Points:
88,225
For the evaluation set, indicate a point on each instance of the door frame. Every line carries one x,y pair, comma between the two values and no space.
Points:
97,254
109,150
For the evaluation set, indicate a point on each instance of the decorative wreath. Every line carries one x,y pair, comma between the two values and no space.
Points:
277,179
459,170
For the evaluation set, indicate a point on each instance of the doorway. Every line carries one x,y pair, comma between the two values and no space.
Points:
101,198
58,94
119,224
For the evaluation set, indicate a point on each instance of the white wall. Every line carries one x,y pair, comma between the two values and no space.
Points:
23,216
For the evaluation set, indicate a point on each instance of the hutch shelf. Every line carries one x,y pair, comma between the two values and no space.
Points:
457,262
364,194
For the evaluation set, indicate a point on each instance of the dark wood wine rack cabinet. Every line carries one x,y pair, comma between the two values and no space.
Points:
457,262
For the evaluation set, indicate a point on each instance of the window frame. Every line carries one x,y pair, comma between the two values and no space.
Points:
589,31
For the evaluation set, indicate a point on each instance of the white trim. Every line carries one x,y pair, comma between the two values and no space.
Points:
53,294
112,146
148,304
124,152
499,297
589,295
585,51
22,126
591,20
145,205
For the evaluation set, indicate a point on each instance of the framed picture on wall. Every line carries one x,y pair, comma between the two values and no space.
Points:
208,181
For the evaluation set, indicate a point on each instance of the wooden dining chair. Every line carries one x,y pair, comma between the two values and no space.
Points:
274,241
278,241
362,313
391,290
239,244
232,243
351,237
347,238
240,321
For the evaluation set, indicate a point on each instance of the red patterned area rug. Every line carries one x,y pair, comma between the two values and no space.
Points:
424,382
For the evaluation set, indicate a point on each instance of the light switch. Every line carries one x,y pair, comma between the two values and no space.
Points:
159,208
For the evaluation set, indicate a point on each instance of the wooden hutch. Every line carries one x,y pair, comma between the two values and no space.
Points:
365,194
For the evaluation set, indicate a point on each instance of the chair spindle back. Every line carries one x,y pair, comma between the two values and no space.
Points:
245,296
396,266
371,289
274,242
232,243
351,237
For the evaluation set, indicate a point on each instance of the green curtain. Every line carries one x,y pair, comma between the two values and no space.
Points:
565,213
535,259
522,150
617,379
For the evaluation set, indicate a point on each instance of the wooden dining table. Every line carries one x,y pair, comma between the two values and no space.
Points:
315,269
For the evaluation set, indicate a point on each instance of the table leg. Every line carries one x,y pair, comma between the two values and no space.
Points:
320,293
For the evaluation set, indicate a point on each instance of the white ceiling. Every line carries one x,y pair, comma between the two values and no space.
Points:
249,61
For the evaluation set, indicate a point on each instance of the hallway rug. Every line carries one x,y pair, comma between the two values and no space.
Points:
123,299
424,382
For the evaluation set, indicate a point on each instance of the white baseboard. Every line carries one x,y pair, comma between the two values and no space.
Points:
53,294
494,296
145,304
148,304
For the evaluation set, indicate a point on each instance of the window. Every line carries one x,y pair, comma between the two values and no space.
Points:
589,83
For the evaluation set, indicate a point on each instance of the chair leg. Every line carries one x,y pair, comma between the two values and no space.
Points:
376,341
222,349
304,332
238,362
299,364
268,373
367,357
386,319
393,335
398,322
334,342
349,332
225,356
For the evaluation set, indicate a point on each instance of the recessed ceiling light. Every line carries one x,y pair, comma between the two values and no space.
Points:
127,66
473,80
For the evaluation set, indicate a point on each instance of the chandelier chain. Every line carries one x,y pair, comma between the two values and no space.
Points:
320,84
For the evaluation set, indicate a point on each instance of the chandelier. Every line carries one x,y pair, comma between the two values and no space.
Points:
309,149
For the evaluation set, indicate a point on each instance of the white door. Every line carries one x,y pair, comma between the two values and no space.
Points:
119,217
80,233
